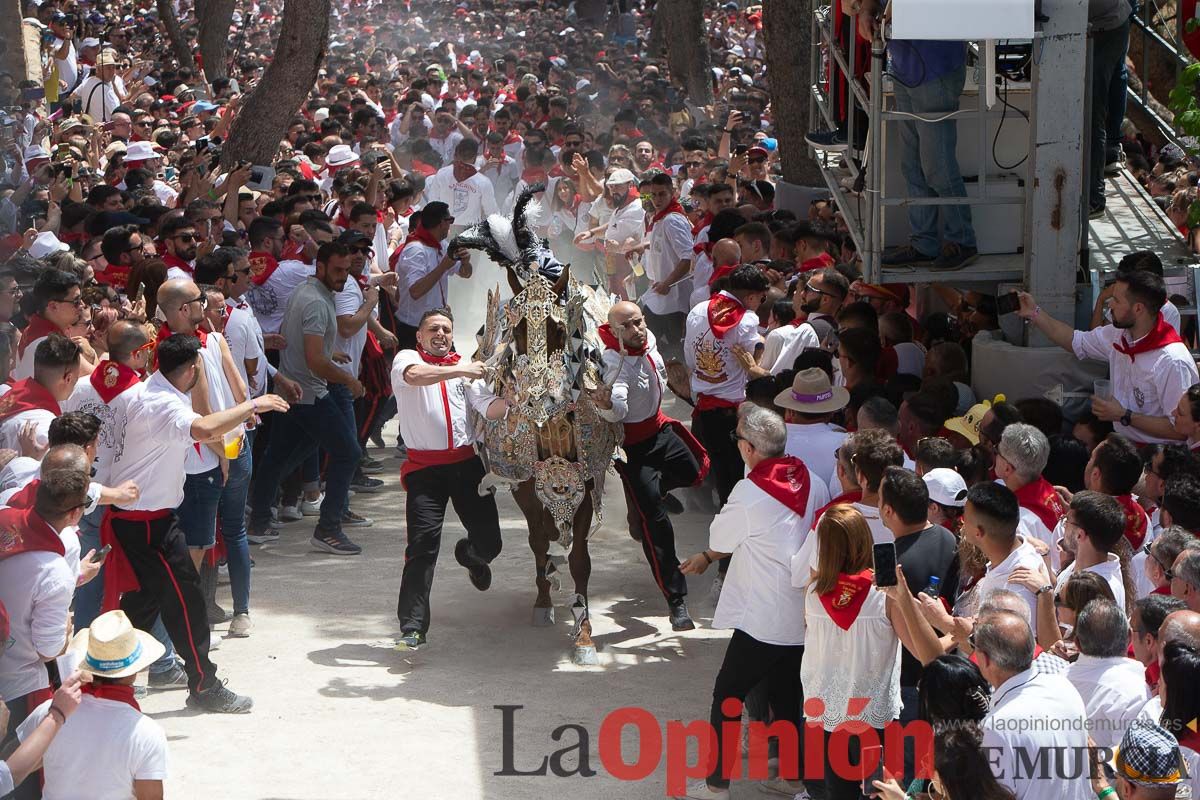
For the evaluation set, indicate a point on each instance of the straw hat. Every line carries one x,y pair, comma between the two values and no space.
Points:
108,58
812,393
113,648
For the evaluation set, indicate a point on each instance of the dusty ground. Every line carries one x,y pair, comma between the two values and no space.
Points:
339,714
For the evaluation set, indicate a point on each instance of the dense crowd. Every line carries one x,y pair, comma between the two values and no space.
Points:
195,355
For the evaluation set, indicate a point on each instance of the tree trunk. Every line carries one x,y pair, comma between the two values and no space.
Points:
688,57
183,53
787,26
656,44
284,86
214,17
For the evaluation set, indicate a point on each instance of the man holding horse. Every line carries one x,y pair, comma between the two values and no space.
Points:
432,391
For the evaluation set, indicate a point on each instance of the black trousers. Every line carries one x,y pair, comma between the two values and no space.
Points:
747,662
170,586
716,428
654,467
669,330
842,787
429,490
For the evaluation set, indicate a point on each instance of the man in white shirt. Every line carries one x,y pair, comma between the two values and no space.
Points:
445,136
816,304
1093,526
624,230
57,305
63,49
468,192
660,454
871,452
809,406
1150,367
98,92
425,268
1113,687
499,167
668,263
36,739
35,401
1020,458
1036,733
432,392
229,270
990,520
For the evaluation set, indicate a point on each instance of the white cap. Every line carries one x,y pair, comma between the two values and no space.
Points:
582,82
34,152
340,155
946,487
91,41
141,151
620,176
321,114
46,244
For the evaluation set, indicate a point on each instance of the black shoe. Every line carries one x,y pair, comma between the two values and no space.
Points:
672,504
477,568
216,699
366,485
904,256
410,640
827,140
334,542
1096,212
174,678
261,535
217,615
955,256
681,620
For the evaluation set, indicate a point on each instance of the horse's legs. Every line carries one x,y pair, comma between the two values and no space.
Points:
581,570
539,543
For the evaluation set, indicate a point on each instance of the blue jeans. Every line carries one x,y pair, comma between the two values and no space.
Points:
232,513
90,596
930,164
1108,66
327,424
197,514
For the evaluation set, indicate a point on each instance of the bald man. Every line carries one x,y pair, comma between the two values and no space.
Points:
661,454
725,253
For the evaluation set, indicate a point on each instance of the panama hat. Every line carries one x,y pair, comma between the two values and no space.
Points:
812,393
113,648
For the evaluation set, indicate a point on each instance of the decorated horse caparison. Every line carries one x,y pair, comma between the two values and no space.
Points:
552,449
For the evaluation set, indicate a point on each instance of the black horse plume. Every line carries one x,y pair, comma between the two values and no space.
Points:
510,243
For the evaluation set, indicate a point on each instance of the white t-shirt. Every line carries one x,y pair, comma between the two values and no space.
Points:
815,446
244,336
68,68
794,340
422,410
347,303
158,437
270,300
24,366
670,243
113,416
200,457
10,429
996,577
6,779
1110,570
36,588
715,370
470,201
105,746
416,261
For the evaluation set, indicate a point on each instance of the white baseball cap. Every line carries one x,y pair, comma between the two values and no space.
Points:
34,152
946,487
46,244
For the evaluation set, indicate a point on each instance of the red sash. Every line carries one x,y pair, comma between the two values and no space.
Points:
1040,498
22,530
27,395
672,208
1135,520
118,572
109,379
111,691
846,599
172,260
38,328
1161,336
786,479
420,459
822,261
708,402
638,432
724,314
262,267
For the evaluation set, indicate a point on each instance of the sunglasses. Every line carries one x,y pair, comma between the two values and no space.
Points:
757,160
1166,570
148,347
77,302
185,237
201,299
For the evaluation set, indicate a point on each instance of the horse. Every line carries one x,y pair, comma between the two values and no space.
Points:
552,449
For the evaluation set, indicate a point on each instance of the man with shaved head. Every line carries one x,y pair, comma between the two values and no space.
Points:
661,454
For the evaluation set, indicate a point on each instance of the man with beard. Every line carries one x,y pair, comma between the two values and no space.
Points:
668,263
1149,366
150,561
816,304
180,241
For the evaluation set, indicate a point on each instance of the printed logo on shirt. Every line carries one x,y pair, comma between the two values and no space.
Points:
710,360
1139,397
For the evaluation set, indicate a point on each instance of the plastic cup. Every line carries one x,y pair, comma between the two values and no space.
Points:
233,443
1102,388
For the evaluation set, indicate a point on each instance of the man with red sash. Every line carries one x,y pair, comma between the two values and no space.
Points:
1020,458
720,332
35,401
180,245
432,393
668,263
425,268
1150,367
57,301
660,453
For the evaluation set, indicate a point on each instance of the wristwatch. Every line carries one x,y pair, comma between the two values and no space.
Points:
1043,590
1127,418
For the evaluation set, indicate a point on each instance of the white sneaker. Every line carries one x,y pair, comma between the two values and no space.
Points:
312,508
240,627
700,790
290,514
793,789
214,641
715,591
222,573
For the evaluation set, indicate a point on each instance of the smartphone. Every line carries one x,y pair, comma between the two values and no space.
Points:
33,93
741,150
1008,303
102,553
169,173
876,774
885,564
141,290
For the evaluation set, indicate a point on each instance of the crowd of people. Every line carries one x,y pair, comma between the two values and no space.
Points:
195,354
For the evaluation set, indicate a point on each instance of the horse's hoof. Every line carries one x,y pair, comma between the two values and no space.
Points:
543,617
586,656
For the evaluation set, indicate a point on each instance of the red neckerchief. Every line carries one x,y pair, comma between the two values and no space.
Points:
422,168
702,223
111,691
38,328
846,598
1040,498
27,395
512,138
704,248
1135,520
672,208
724,313
784,478
418,234
23,531
822,261
611,342
172,260
1161,336
463,172
845,498
448,360
115,275
1153,674
165,332
110,378
721,272
262,266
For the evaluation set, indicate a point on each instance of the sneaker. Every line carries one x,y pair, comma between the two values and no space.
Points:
401,452
216,699
214,641
290,513
261,536
715,591
222,573
681,620
312,508
352,520
366,485
216,614
410,640
1096,212
672,504
700,790
174,678
827,140
793,789
240,627
377,438
477,568
903,256
955,256
335,543
370,466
